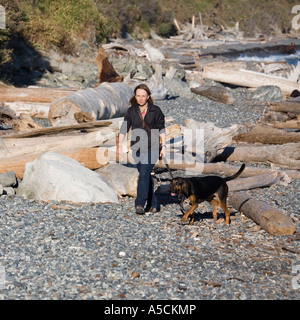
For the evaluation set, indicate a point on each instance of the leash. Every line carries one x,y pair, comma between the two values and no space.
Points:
167,166
172,177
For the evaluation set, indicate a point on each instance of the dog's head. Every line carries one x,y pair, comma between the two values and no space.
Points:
177,186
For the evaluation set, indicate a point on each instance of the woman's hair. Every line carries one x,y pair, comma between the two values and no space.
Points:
133,101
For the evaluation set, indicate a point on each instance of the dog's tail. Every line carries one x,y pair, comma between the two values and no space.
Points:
236,174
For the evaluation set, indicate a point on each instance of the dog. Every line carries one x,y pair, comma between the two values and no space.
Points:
213,189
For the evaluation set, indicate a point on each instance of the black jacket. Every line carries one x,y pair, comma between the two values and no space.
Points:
140,135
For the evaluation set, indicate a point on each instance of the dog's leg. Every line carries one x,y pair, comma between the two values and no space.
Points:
192,219
215,202
222,196
223,205
189,211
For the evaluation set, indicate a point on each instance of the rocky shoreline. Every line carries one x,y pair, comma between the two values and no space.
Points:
59,250
70,251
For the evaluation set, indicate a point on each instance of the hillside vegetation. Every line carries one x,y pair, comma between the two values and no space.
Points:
60,23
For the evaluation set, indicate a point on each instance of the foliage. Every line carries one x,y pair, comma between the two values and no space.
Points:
60,23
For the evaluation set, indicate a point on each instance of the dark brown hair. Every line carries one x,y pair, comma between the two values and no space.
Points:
133,101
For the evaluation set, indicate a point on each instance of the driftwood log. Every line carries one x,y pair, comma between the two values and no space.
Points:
106,101
34,109
269,218
285,155
207,140
224,169
38,145
267,135
38,95
286,106
91,158
290,124
249,78
24,123
261,181
6,115
215,93
56,130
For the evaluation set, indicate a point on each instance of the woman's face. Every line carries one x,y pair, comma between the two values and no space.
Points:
141,96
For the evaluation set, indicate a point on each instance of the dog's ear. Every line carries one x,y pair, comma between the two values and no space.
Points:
180,181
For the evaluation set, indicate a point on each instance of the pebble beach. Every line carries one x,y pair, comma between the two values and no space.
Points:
67,251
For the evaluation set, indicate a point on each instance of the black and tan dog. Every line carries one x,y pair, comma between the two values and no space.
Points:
213,189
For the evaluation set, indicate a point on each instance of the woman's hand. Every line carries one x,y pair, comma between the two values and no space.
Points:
162,151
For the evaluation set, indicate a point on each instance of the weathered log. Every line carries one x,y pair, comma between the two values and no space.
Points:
291,124
215,93
224,169
249,79
24,123
261,181
286,155
269,218
91,158
34,109
39,95
106,101
37,145
57,130
106,72
6,115
207,140
267,135
286,106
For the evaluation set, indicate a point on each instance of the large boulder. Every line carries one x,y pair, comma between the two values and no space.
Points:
55,177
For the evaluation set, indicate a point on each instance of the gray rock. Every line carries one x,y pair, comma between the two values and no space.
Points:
267,93
8,179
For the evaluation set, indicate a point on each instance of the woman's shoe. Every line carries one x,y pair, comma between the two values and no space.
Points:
139,210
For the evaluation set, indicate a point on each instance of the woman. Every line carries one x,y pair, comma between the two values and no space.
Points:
148,127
